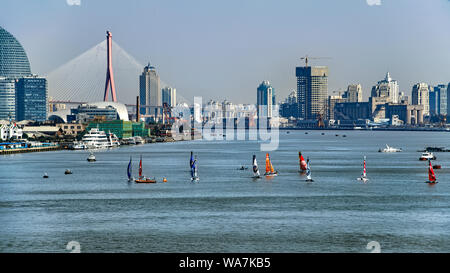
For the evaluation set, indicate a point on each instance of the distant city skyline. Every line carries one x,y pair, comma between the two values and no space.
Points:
223,50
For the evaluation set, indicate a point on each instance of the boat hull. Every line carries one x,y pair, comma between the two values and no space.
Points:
145,181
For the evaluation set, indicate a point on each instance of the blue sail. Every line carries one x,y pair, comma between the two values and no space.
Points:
191,161
129,169
193,169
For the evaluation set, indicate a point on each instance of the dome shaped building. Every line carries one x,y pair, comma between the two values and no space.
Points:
13,59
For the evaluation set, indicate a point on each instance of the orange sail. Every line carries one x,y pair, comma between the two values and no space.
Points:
268,165
271,168
431,175
302,161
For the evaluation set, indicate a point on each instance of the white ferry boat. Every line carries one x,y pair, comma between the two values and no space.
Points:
96,139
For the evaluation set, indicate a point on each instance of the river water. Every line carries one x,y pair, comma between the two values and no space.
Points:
228,211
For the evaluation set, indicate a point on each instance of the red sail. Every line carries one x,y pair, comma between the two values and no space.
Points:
431,175
140,167
302,161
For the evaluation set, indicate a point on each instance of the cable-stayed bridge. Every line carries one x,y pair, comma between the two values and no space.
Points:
82,79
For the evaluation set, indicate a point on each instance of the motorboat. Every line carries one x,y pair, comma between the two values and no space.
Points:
427,156
45,175
91,157
389,149
67,171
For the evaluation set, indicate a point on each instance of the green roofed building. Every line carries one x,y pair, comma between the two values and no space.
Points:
121,128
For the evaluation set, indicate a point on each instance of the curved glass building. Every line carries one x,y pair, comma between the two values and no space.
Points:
13,59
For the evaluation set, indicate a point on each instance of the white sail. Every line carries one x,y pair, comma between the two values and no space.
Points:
308,171
255,167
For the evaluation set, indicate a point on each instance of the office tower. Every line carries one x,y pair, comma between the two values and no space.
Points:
265,94
354,93
420,96
312,90
7,98
387,88
13,59
150,91
31,98
169,96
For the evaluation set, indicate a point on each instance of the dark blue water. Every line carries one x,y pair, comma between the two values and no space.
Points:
227,211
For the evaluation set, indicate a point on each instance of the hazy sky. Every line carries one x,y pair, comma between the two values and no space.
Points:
224,49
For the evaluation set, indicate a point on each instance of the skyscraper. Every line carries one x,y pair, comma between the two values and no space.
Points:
386,88
354,93
440,100
169,96
265,100
312,90
7,98
13,59
150,91
31,98
420,96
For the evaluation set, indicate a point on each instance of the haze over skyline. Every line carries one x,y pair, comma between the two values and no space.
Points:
226,49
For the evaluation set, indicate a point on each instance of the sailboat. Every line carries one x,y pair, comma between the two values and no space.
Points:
302,162
308,172
363,177
130,171
191,160
269,167
194,170
431,175
143,179
255,168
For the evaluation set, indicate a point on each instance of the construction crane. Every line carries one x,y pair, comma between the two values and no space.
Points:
306,58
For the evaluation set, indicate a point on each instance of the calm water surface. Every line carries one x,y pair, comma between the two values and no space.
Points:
227,211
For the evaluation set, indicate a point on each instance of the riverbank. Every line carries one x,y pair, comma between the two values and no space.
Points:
30,150
414,129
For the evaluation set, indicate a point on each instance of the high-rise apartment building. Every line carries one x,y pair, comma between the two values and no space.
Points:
420,96
265,100
312,90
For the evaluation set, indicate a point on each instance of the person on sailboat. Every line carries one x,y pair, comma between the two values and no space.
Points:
255,168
